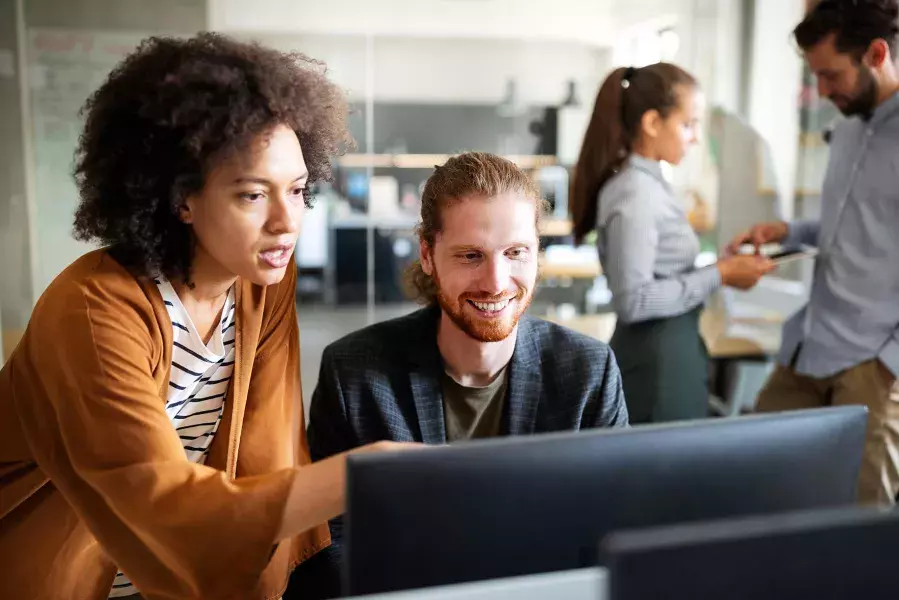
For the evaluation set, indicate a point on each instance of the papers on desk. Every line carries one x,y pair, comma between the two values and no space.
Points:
751,322
766,337
743,311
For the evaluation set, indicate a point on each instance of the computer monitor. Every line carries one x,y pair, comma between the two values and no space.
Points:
836,553
522,505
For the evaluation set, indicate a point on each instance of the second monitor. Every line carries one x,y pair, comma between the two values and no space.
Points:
516,506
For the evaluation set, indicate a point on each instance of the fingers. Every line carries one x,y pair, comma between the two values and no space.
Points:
762,265
734,247
759,238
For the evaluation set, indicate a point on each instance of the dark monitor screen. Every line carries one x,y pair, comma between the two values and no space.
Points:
836,553
517,506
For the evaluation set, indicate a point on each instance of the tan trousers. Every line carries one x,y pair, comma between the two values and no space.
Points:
869,383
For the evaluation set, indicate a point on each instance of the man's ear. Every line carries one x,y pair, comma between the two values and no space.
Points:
424,255
878,54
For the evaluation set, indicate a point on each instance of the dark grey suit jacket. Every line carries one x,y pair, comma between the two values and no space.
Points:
384,383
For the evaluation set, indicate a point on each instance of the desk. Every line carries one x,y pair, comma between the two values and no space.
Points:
569,274
739,338
741,351
555,227
600,327
725,339
573,270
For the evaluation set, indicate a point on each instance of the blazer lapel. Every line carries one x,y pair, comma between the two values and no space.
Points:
428,398
426,370
525,384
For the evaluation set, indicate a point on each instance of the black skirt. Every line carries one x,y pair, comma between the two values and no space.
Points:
664,368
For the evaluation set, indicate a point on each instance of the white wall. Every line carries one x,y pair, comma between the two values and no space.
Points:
774,86
593,21
456,70
69,46
727,28
16,294
709,48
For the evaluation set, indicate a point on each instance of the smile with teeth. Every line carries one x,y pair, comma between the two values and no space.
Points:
491,306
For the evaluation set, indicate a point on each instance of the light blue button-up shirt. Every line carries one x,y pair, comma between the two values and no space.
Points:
853,310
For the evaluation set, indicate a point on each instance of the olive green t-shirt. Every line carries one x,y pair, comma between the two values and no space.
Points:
473,412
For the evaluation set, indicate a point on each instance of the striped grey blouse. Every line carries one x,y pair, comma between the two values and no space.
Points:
647,247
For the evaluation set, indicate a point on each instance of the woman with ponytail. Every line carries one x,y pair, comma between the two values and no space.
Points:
646,245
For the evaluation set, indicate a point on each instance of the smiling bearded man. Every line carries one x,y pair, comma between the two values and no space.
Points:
471,364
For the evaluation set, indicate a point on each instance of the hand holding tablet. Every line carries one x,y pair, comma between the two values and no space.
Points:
782,255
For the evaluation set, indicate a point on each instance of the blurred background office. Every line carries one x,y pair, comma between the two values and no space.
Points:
427,79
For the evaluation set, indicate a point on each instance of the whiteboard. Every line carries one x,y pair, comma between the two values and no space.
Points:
64,68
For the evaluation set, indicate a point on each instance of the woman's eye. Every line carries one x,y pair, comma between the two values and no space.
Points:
252,196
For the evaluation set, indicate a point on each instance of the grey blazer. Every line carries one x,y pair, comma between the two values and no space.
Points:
384,383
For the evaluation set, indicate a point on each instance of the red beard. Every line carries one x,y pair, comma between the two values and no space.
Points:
464,314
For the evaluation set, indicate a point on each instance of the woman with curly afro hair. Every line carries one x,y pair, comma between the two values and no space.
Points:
151,426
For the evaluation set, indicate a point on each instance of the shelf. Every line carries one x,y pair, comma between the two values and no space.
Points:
570,269
428,161
362,221
555,227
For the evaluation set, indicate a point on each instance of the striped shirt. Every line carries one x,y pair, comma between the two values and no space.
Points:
198,384
647,247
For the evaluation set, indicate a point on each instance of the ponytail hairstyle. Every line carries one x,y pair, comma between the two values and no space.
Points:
624,97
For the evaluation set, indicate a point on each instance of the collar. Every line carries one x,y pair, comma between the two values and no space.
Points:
653,167
885,111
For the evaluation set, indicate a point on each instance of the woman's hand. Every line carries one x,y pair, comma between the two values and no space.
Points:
744,271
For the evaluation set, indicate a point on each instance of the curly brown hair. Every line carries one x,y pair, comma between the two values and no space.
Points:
167,114
468,175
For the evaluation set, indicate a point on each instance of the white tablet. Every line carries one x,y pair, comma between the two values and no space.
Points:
787,256
782,256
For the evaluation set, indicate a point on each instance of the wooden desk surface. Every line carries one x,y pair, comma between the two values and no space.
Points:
555,227
739,337
712,326
574,270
